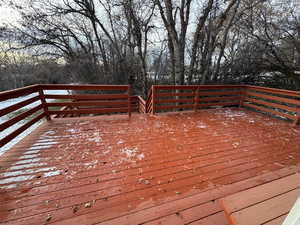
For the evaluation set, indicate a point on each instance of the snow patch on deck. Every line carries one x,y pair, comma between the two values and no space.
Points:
23,172
201,125
120,142
96,138
131,155
45,143
229,113
52,173
90,165
129,152
141,156
72,130
25,166
31,160
15,179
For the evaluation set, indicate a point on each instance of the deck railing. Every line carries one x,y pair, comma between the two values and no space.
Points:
149,101
141,104
107,99
81,99
165,98
278,102
35,110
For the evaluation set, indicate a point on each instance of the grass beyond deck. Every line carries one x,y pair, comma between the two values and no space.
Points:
165,169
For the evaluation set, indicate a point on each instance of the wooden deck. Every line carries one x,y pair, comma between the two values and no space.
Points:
170,168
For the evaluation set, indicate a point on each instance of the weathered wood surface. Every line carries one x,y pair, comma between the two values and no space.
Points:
170,168
263,204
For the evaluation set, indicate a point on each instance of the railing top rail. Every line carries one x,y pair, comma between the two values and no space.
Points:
276,90
197,86
15,93
82,87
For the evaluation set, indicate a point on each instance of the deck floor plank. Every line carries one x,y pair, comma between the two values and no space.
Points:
265,204
166,169
262,193
267,210
215,219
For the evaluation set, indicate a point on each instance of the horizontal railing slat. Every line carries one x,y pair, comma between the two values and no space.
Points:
193,87
209,99
18,131
6,95
172,94
274,91
19,105
199,105
275,105
187,106
272,111
88,103
19,117
203,105
83,87
88,96
89,111
216,93
175,100
275,98
62,109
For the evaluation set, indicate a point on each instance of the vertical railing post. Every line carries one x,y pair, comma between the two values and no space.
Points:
153,99
129,100
148,101
196,99
138,103
297,119
242,98
44,103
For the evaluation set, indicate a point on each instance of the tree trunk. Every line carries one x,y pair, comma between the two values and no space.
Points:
179,64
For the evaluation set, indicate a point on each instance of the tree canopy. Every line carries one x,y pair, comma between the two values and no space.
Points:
154,41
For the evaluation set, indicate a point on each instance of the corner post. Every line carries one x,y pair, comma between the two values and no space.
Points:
196,99
129,100
153,99
242,97
44,103
297,119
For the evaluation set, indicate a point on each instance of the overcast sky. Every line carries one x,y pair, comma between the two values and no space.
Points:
7,15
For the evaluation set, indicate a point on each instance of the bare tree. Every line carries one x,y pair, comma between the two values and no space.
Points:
170,13
107,41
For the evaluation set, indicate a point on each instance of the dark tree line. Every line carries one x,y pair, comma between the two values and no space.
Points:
155,41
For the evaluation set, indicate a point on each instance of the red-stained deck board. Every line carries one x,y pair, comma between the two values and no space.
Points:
264,204
214,219
166,169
